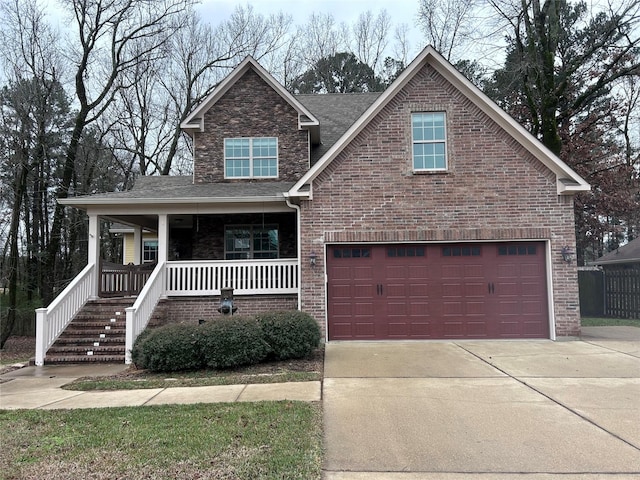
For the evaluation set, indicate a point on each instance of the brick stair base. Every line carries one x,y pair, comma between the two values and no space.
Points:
96,334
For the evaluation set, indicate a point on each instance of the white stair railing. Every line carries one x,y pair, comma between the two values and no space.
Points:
139,314
246,277
51,321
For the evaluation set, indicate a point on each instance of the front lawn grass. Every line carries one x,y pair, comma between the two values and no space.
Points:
266,440
609,322
200,378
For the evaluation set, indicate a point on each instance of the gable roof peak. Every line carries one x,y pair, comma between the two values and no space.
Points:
195,120
567,181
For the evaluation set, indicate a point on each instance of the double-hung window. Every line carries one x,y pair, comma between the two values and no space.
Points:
250,241
150,251
429,141
251,157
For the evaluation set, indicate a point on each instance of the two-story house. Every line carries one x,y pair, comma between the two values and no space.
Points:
422,212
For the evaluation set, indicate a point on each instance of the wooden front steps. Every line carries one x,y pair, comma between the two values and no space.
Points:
96,334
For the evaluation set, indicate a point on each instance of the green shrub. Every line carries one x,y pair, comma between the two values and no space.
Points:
168,349
290,334
232,341
138,353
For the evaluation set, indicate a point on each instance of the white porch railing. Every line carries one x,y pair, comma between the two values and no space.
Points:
139,314
246,277
51,321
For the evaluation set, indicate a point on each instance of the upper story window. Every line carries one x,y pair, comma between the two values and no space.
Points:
251,157
429,141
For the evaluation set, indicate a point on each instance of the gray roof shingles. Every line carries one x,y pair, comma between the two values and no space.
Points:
336,112
629,253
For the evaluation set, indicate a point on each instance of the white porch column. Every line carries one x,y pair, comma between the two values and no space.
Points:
137,245
93,251
94,239
163,237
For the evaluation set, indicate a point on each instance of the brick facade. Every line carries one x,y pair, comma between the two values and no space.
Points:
493,190
193,309
250,108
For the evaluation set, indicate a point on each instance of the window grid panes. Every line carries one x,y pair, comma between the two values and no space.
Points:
251,157
517,250
351,253
429,141
149,251
244,242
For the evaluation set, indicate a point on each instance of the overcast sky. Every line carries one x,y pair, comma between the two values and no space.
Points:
400,11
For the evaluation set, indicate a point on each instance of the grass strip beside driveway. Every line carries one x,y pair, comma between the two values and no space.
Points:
264,440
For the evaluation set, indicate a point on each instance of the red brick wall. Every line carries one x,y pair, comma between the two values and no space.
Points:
493,190
192,309
250,108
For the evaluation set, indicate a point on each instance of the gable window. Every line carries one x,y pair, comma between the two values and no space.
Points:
251,157
150,251
251,241
429,141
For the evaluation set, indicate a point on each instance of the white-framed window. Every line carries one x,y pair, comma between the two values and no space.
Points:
251,241
429,141
251,157
149,251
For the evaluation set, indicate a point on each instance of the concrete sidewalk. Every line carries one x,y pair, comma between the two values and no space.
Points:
484,410
40,388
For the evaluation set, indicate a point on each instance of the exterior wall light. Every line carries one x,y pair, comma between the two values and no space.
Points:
312,259
567,254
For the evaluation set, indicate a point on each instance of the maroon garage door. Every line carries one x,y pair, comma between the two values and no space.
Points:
495,290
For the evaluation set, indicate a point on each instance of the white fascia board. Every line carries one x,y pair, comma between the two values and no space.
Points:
430,56
195,120
87,202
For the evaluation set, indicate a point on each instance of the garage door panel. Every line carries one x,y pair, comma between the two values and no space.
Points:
452,308
533,308
420,308
364,330
395,309
418,272
451,271
420,330
418,290
362,273
398,329
477,289
453,329
473,271
489,290
452,290
507,289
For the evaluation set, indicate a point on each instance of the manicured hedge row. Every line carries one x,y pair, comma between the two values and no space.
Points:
227,342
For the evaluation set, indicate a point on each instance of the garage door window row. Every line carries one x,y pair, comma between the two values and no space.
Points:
517,250
351,253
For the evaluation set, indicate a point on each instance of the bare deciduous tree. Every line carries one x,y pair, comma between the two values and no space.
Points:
447,24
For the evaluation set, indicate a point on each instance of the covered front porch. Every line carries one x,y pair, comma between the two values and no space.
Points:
249,244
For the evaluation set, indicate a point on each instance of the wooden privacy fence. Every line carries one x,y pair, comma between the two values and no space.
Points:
622,293
118,280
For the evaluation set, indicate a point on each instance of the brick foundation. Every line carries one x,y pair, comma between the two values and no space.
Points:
193,309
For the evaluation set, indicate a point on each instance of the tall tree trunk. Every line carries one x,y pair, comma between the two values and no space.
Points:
53,249
7,323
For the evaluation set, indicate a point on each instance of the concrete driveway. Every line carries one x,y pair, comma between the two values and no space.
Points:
481,410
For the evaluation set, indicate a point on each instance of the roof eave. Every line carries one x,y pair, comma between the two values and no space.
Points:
81,202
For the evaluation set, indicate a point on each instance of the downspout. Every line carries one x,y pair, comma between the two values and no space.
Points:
299,240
